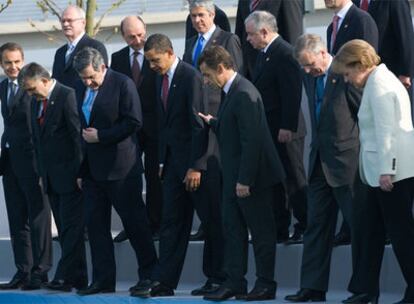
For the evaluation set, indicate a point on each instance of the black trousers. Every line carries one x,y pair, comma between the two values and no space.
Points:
375,213
29,222
68,212
126,197
323,202
254,214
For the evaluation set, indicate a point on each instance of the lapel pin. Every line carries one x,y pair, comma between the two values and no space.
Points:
267,59
174,85
346,25
52,102
333,81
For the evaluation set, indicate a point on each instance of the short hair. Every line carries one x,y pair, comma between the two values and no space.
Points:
158,42
80,10
215,55
88,56
309,42
121,26
263,19
32,70
10,46
355,53
207,4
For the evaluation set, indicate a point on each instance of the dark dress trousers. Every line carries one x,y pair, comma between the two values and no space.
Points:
278,78
357,24
248,157
183,140
220,19
209,193
58,153
333,163
289,17
64,72
111,176
148,135
28,214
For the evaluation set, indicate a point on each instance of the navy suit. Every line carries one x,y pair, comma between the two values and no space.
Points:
111,173
28,213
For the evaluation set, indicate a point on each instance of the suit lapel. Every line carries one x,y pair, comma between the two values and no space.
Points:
213,39
173,87
50,107
103,91
81,44
225,100
267,59
15,101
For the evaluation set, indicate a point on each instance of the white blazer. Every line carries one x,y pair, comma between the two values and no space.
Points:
385,129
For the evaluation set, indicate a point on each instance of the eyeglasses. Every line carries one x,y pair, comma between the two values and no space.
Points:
69,20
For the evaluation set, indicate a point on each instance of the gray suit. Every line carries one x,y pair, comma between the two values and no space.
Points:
333,164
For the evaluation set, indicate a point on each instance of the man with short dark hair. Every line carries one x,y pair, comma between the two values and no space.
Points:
251,168
56,128
28,213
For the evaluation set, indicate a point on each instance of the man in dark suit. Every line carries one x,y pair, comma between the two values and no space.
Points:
396,36
202,14
349,22
220,19
131,61
73,26
278,78
289,14
333,106
56,129
183,140
111,169
251,168
28,213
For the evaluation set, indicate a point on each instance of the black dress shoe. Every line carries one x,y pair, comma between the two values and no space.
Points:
307,295
198,236
361,298
121,237
221,294
141,285
295,238
205,289
155,289
95,288
59,285
342,239
258,294
35,282
18,280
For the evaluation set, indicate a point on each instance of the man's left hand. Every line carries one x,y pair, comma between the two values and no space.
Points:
405,80
242,190
90,135
192,180
284,136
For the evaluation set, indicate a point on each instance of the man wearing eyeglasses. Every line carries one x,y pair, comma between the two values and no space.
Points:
73,22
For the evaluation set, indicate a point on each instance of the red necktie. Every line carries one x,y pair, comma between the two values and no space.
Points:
364,5
42,114
334,30
135,69
254,4
164,91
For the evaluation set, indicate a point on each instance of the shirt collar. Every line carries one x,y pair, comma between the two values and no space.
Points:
173,67
208,34
75,42
51,89
14,81
132,51
342,13
268,45
229,82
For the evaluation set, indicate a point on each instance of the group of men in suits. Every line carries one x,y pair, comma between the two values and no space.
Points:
230,147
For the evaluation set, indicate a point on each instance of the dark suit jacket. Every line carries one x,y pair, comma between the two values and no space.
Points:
357,24
279,81
17,133
247,151
335,137
220,19
120,62
396,35
116,114
289,16
183,137
57,141
65,73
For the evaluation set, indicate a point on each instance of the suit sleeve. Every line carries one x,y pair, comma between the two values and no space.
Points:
130,115
290,20
239,30
71,115
369,31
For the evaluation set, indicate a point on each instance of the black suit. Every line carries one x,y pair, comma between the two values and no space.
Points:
183,141
58,152
64,72
28,213
220,19
279,81
111,172
289,16
357,24
332,170
211,184
148,135
248,157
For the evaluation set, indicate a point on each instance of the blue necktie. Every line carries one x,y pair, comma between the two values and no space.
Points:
87,104
320,89
198,50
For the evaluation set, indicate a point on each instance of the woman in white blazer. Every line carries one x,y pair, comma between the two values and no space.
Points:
386,165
